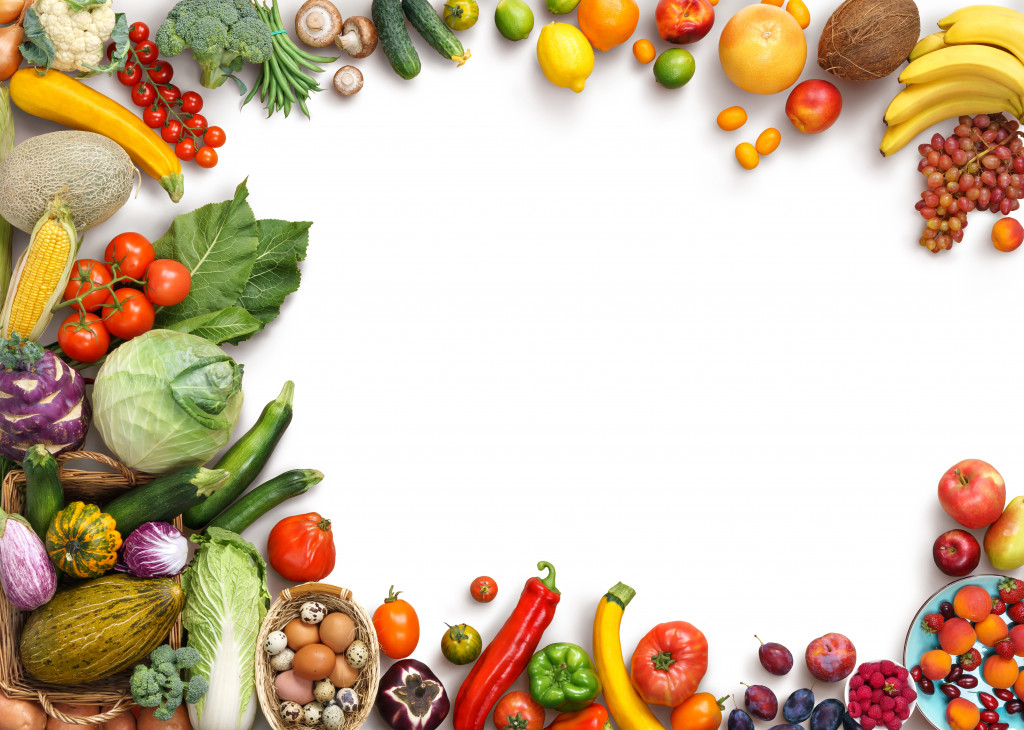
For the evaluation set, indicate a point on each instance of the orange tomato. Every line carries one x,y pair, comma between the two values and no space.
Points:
746,155
732,118
700,712
397,626
643,51
798,10
768,141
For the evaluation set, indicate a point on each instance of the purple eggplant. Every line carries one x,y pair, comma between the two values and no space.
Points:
411,697
26,573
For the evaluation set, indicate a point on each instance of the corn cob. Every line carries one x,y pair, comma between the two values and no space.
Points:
41,275
6,145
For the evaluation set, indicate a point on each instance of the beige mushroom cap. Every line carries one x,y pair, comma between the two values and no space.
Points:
358,37
318,23
348,80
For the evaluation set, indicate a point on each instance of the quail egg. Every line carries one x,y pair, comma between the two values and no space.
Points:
312,612
323,691
312,712
332,717
357,654
282,661
291,711
347,699
276,643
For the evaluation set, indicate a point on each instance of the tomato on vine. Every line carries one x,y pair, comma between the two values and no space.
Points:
147,51
131,74
155,115
185,149
197,123
191,102
167,282
171,94
83,337
143,94
171,131
86,278
214,137
138,32
206,157
161,72
128,314
132,252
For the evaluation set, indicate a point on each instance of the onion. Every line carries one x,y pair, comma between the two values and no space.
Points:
10,10
10,56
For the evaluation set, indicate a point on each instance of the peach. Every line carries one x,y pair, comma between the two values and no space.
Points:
957,636
989,630
1007,234
962,714
814,105
1017,638
935,664
1000,672
972,603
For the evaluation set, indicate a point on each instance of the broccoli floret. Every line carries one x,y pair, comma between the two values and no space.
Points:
221,33
186,657
160,685
146,691
197,687
162,655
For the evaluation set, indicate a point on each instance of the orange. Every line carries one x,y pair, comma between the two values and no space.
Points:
643,51
762,49
607,23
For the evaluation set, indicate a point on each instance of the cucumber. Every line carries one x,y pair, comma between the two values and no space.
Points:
394,38
246,458
44,494
429,24
265,497
165,498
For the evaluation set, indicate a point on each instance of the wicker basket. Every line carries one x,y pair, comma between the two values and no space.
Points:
88,486
284,610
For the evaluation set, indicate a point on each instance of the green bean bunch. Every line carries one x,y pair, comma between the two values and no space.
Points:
283,80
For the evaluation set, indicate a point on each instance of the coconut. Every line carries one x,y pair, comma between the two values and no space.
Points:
868,39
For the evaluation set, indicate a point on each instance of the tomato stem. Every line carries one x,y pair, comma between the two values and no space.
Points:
663,660
392,595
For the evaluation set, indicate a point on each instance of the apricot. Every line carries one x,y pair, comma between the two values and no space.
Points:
957,636
1017,638
999,672
989,630
972,603
962,714
1018,686
935,664
1007,234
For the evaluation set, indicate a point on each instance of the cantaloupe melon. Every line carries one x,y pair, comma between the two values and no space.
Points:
90,173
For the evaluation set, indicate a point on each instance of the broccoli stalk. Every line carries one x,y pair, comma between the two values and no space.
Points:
221,33
160,685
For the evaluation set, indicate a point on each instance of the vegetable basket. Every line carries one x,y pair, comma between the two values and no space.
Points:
97,487
285,609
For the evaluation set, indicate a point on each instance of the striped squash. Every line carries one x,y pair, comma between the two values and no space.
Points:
98,628
82,541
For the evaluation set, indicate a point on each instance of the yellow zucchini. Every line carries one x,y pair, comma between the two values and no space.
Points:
62,99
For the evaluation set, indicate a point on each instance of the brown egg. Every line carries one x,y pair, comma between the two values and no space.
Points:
337,631
343,674
301,634
313,662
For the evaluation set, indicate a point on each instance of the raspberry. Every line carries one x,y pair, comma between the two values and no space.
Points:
876,680
1016,612
867,723
868,668
887,703
888,717
909,694
887,668
864,693
901,705
894,724
854,709
875,712
856,681
902,674
876,696
892,686
903,714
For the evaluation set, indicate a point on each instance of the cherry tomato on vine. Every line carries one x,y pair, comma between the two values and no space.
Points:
185,149
85,339
86,276
171,94
128,314
171,131
197,123
131,74
138,32
147,52
167,282
132,252
161,72
483,589
214,137
143,94
191,102
397,626
155,115
206,157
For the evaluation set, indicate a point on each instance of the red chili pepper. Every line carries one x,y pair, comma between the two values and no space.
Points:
505,658
594,717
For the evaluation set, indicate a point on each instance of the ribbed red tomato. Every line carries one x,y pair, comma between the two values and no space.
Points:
669,663
301,548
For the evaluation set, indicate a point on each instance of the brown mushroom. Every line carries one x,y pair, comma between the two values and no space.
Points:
348,80
318,23
358,37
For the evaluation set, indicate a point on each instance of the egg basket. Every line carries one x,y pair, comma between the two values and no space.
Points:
96,487
286,608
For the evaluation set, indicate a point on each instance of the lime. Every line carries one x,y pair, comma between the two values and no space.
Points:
562,7
674,68
461,14
514,19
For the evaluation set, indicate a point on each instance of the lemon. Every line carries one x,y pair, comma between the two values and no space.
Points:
514,19
562,7
565,55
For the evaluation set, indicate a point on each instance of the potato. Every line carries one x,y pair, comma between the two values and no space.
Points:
179,721
124,721
53,723
20,714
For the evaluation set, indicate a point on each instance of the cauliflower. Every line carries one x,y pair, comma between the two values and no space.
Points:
77,37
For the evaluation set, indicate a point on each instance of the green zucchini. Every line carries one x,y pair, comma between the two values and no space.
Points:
394,38
246,458
165,498
265,497
44,494
429,24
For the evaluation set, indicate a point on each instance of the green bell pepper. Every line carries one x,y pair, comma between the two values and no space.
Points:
563,678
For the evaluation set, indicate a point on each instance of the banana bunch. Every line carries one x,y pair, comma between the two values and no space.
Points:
974,65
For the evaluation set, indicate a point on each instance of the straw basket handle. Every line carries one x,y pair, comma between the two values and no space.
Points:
119,708
127,473
301,590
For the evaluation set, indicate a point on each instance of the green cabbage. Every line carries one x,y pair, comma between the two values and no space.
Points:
226,600
165,400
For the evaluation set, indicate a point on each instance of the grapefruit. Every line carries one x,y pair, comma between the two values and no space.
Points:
762,49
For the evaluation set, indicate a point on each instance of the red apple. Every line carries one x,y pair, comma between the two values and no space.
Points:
814,105
684,21
956,552
1017,639
831,657
972,493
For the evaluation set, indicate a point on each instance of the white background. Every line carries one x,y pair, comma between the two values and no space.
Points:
536,325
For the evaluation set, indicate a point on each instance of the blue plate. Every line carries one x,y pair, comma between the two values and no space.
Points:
933,707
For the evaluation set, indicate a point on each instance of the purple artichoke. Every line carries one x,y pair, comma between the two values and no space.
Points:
42,401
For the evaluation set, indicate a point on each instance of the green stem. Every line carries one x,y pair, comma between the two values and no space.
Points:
549,579
621,594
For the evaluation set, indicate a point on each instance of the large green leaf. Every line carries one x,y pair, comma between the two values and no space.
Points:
37,48
275,273
232,324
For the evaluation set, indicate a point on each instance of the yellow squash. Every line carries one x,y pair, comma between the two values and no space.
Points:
62,99
625,705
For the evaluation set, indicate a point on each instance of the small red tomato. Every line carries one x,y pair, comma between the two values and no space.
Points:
206,157
171,94
191,102
215,137
131,74
197,123
128,314
301,548
518,711
143,94
483,589
147,52
161,72
83,337
131,252
138,32
171,131
86,275
185,149
397,626
111,47
167,282
155,115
